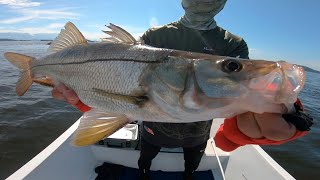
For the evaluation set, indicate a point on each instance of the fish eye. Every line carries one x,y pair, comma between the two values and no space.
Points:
231,65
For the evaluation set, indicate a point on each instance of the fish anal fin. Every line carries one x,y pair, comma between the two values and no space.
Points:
94,126
68,37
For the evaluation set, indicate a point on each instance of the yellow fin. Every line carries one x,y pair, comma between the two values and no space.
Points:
19,60
23,63
119,35
45,81
68,37
94,126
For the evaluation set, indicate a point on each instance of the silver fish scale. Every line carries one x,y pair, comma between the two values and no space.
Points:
115,68
110,76
107,51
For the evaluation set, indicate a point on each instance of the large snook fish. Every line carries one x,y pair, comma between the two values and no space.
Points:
124,81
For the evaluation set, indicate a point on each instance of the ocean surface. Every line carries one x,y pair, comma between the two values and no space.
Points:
31,122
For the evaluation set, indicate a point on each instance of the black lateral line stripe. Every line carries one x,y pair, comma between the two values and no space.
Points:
100,60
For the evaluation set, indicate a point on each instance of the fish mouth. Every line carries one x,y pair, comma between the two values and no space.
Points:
282,84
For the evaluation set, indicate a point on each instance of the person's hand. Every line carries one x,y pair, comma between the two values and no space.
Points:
267,125
62,92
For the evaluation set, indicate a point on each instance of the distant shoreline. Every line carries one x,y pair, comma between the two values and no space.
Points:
25,40
309,69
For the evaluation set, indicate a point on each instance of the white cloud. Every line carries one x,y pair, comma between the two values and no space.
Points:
49,29
95,26
93,36
153,22
96,34
19,3
56,25
136,32
252,50
25,10
53,28
4,30
52,14
16,20
38,30
255,54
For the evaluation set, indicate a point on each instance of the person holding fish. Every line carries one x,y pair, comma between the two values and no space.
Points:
197,31
195,71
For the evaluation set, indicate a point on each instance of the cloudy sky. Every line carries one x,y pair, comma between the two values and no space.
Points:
286,29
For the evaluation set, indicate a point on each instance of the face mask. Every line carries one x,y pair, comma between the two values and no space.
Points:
199,14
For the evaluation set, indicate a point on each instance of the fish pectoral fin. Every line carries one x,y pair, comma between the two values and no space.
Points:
68,37
94,126
45,81
136,100
119,35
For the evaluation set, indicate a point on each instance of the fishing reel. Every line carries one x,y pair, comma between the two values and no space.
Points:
301,120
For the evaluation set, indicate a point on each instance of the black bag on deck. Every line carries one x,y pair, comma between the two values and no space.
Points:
109,171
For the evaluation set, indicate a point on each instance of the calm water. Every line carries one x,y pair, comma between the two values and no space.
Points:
29,123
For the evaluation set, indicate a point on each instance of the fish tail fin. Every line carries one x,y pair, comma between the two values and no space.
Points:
23,63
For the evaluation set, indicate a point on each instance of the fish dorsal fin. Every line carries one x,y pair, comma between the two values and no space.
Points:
94,126
69,36
119,35
110,39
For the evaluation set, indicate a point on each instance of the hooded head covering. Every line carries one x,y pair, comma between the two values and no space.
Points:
199,14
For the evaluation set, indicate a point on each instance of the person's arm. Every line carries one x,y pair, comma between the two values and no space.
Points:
240,50
149,38
263,129
145,38
236,46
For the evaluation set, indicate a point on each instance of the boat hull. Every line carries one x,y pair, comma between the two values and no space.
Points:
60,160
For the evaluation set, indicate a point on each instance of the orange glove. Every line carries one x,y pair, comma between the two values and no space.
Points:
229,137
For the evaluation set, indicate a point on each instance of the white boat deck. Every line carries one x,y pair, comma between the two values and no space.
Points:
61,161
